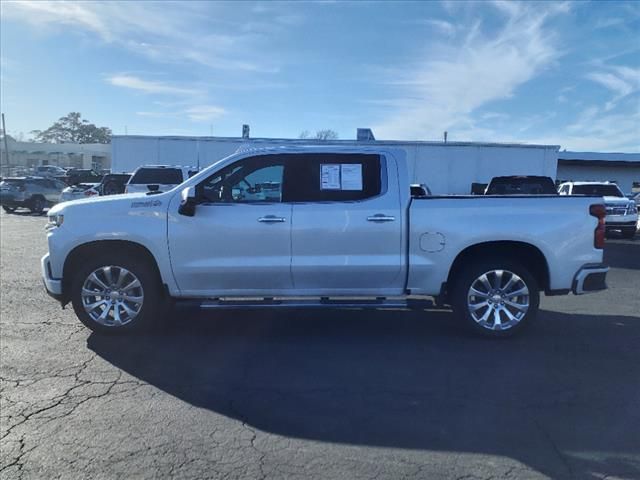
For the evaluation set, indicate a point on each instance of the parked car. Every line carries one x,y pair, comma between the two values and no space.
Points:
80,190
158,178
339,228
34,193
521,185
49,171
622,213
113,183
636,199
81,175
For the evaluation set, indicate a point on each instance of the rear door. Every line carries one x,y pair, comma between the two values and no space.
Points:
346,235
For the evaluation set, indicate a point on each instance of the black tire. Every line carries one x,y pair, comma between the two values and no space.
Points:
460,299
154,302
8,209
37,204
629,232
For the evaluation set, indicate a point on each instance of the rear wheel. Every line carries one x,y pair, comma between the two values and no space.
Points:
37,204
117,293
8,209
496,298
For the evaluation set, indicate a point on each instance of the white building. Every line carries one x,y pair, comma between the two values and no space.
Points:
621,168
25,155
450,167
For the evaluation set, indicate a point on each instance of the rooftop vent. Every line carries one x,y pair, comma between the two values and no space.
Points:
365,135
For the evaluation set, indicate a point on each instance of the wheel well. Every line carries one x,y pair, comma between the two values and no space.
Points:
79,253
524,253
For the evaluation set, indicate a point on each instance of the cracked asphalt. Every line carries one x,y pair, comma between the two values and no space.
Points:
310,394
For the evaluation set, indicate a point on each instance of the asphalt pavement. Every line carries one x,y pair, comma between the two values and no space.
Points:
345,394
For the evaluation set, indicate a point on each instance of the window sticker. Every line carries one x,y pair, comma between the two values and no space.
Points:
351,176
329,176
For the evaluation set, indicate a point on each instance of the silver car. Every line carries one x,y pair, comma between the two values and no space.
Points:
33,193
80,190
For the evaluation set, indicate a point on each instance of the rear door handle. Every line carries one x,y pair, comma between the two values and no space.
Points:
271,219
380,217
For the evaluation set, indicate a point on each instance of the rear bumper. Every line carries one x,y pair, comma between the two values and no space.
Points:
53,286
11,202
590,278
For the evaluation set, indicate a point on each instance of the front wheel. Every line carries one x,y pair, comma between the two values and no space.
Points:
629,232
496,299
117,293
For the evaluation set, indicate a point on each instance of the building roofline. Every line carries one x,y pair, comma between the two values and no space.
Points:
296,141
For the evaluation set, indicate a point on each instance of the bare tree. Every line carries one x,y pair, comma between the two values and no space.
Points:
326,134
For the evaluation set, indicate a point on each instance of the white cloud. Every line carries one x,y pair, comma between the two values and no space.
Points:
621,80
196,113
595,129
609,22
149,86
204,112
171,32
440,26
612,82
442,91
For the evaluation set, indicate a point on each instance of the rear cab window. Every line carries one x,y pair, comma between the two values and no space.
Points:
160,176
331,177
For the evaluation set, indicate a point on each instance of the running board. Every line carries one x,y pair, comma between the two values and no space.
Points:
324,302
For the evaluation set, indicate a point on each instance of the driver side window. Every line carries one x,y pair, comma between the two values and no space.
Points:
251,180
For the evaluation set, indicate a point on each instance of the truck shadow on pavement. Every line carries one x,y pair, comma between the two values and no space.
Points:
562,398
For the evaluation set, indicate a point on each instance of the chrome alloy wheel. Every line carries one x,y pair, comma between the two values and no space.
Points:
498,300
112,296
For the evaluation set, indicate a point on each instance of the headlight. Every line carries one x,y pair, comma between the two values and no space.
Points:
632,209
55,220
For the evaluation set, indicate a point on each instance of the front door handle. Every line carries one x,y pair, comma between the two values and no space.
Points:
380,217
271,219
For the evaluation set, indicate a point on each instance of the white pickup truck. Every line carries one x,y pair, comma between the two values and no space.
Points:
319,227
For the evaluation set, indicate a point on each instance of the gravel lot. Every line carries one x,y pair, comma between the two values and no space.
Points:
343,394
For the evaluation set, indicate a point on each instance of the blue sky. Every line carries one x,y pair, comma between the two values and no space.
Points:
553,73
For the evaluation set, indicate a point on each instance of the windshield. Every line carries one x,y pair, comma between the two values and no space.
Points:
162,176
598,190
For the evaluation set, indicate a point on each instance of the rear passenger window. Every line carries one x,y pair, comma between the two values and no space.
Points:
332,177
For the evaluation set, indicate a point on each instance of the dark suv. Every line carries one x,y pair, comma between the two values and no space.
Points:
113,183
521,185
34,193
81,175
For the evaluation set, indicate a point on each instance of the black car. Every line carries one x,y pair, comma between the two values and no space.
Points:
113,183
521,185
81,175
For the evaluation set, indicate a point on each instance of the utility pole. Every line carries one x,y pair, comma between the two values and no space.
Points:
6,145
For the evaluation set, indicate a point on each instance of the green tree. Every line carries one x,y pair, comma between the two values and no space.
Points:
73,129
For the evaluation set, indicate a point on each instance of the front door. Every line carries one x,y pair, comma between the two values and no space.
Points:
238,242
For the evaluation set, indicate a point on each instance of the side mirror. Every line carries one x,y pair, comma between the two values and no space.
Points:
188,203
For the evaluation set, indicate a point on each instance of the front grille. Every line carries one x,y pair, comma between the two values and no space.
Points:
616,210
